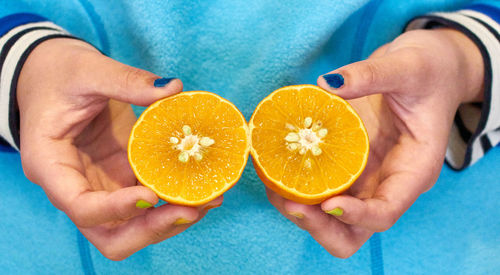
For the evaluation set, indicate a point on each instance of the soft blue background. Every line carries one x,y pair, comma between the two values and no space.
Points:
243,50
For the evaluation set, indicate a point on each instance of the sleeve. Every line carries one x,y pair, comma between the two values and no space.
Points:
476,128
19,34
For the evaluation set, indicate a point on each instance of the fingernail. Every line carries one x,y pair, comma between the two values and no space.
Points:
298,215
212,206
181,221
143,204
334,80
336,212
162,82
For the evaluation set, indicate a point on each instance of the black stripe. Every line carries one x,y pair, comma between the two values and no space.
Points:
485,143
486,105
465,134
490,28
8,45
14,117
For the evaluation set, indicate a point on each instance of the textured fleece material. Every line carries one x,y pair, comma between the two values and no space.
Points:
243,50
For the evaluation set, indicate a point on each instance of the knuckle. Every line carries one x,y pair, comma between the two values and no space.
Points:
346,251
384,226
367,73
26,162
345,254
390,219
130,76
156,234
113,253
78,216
120,213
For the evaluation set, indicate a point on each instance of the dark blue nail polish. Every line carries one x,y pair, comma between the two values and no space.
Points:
334,80
162,82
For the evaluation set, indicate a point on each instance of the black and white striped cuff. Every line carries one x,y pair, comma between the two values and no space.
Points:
15,46
476,127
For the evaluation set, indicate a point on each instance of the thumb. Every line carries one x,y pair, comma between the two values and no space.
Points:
376,75
112,79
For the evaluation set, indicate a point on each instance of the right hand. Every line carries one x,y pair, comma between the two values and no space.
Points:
407,94
76,118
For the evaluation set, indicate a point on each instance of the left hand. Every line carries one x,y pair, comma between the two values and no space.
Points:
76,119
407,94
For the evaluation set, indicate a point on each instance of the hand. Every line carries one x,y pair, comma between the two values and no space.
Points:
407,94
75,123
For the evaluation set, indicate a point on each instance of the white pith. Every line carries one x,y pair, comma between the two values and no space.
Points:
306,139
191,146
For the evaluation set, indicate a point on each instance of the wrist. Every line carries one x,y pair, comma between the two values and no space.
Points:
471,65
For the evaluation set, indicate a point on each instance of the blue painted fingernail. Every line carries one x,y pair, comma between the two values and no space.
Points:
334,80
162,82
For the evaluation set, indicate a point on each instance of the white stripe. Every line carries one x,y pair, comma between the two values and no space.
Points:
494,137
8,71
481,16
477,151
21,28
492,46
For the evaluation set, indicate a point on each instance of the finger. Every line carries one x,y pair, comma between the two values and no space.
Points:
374,214
87,208
383,74
65,183
306,217
98,207
217,202
112,79
339,239
396,193
154,226
276,200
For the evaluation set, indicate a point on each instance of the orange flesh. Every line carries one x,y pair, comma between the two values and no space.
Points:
307,178
155,159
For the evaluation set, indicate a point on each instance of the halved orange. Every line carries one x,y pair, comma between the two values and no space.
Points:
307,144
189,148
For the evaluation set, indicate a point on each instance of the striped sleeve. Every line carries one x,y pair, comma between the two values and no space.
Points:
476,128
19,35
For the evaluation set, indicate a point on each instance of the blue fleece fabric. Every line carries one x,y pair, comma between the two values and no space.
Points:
243,50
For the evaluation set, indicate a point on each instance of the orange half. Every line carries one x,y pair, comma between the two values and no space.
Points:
189,148
307,144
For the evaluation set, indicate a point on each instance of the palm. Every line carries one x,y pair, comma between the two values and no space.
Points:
102,148
394,147
383,137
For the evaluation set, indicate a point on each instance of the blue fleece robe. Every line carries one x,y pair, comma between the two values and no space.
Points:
243,50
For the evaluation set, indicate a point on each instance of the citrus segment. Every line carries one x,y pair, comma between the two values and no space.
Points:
189,148
307,144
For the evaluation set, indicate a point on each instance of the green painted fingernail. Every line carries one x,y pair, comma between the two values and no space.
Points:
336,212
298,215
181,221
143,204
